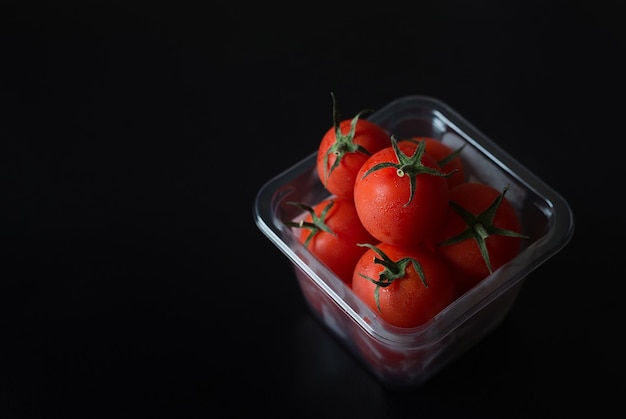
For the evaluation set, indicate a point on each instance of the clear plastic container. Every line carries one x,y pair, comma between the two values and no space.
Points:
402,358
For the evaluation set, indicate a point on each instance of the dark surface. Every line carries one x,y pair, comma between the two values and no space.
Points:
135,137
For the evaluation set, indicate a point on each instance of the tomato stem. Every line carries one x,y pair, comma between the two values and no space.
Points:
317,224
410,166
393,270
481,231
344,143
480,227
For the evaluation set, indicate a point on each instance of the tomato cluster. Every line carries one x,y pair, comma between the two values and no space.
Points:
403,226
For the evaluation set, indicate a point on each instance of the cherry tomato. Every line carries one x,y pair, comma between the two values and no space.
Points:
482,232
401,195
407,286
344,148
448,158
332,231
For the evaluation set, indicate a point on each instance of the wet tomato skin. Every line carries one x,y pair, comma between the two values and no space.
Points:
406,302
340,180
384,204
339,250
465,257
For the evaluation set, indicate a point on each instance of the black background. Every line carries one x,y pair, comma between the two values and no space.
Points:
134,137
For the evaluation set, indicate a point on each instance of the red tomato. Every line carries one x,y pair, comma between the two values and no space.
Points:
449,159
482,232
407,286
401,194
332,231
344,148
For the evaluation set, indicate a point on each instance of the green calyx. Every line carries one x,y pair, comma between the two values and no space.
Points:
447,159
392,271
480,227
317,223
344,143
410,166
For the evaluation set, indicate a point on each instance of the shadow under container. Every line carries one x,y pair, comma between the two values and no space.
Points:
402,358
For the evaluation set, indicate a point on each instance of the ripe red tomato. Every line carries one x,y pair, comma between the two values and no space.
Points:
407,286
401,195
482,232
449,159
344,148
332,231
